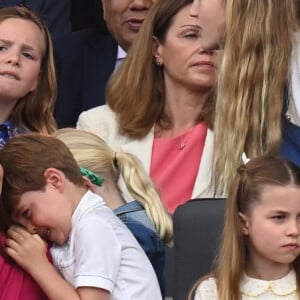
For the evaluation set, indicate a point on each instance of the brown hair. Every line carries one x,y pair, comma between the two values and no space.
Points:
135,91
34,111
245,191
25,158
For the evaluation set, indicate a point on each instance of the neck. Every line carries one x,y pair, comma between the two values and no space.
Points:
183,106
6,107
266,270
110,194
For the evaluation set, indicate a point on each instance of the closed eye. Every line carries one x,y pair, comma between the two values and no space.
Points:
26,214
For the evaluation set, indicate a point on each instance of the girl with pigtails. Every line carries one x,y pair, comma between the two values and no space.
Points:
126,188
259,251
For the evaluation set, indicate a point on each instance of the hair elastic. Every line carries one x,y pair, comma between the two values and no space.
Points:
95,179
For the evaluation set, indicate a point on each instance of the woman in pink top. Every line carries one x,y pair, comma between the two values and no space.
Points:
160,103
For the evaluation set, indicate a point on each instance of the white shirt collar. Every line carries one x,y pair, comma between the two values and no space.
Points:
284,286
121,53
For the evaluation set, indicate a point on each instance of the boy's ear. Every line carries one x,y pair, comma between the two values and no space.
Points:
55,178
244,223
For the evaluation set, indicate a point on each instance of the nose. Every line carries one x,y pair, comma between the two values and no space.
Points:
13,58
141,4
31,228
293,228
194,8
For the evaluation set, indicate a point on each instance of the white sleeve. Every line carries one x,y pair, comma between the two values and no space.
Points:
207,290
295,73
98,254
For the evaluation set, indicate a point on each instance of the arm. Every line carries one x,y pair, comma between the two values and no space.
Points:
29,251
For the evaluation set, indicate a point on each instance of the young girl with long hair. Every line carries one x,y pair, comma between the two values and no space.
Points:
259,252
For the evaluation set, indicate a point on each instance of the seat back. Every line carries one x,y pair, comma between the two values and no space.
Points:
197,229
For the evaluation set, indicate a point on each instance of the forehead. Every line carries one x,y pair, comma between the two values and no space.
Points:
183,17
287,197
25,31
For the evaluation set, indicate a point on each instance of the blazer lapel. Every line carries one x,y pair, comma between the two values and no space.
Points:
142,149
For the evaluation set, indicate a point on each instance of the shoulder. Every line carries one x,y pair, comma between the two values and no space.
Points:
207,289
100,120
97,118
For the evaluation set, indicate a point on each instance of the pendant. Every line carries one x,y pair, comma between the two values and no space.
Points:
182,145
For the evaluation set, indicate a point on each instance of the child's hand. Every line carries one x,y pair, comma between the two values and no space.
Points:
28,250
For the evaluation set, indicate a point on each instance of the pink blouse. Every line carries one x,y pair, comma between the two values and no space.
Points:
16,284
175,163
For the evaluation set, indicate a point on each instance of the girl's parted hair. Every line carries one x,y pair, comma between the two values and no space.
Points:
245,191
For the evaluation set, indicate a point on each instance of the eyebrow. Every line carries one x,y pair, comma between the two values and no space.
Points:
24,46
191,25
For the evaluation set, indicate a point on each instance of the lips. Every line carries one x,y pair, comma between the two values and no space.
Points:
291,246
10,75
134,23
208,64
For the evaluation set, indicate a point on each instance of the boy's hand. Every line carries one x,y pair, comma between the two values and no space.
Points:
28,250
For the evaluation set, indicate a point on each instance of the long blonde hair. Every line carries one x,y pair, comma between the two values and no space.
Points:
253,75
34,111
91,152
245,192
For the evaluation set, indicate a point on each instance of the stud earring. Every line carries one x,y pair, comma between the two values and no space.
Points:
158,62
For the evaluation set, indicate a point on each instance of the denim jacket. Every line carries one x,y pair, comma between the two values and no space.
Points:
135,218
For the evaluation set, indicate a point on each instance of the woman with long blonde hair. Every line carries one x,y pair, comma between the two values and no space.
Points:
258,101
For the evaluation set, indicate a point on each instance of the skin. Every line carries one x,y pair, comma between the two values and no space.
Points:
21,50
124,18
41,211
211,18
273,230
189,72
185,62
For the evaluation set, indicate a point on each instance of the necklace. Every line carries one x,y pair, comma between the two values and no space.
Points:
184,138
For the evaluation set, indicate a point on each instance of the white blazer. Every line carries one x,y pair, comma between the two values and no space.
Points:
102,121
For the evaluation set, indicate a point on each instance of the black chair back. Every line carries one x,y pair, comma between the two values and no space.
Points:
197,229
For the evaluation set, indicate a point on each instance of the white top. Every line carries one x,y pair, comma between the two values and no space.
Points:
101,252
293,112
252,288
